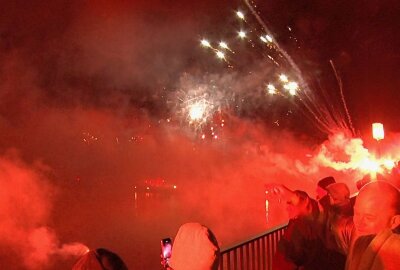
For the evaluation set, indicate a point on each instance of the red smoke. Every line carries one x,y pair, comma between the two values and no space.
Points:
93,163
25,207
73,84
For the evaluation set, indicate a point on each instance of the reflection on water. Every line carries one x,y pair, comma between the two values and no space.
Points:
132,219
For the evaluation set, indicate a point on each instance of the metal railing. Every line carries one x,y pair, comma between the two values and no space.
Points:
253,254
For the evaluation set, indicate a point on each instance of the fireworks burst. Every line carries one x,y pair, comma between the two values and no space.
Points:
198,111
254,32
200,105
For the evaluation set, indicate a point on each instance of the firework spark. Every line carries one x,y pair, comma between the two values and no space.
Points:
292,87
283,78
223,45
325,120
271,89
205,43
220,54
197,111
266,39
269,38
240,15
242,34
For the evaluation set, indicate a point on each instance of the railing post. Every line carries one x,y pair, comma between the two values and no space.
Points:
255,253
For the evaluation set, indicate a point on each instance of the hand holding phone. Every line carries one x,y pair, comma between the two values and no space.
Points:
166,251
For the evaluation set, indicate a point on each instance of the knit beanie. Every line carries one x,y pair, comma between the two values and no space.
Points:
324,182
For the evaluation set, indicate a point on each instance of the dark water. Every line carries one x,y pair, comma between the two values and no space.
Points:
132,223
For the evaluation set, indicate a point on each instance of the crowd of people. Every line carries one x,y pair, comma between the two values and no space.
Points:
337,232
333,231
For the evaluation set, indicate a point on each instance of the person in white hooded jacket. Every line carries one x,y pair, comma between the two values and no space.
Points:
195,247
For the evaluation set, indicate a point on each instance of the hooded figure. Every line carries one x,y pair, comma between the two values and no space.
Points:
322,194
100,259
195,248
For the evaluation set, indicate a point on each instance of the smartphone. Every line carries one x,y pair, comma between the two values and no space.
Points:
166,248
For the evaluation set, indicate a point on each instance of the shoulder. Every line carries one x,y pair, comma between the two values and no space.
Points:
362,242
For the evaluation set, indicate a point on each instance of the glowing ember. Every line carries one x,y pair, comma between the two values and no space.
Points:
263,39
266,38
205,43
220,54
271,89
242,34
283,78
240,15
292,87
223,45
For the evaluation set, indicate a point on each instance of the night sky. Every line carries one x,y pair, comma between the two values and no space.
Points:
93,53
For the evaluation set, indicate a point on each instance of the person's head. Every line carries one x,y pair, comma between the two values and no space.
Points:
100,259
297,205
377,208
339,194
321,186
195,248
365,180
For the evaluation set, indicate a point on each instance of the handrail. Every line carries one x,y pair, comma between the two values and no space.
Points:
253,254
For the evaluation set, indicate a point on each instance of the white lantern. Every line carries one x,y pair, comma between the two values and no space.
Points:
377,131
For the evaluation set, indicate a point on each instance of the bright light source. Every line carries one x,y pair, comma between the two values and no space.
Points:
378,132
196,111
220,55
205,43
389,164
271,89
240,15
292,92
368,165
266,38
283,78
291,87
263,39
223,45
